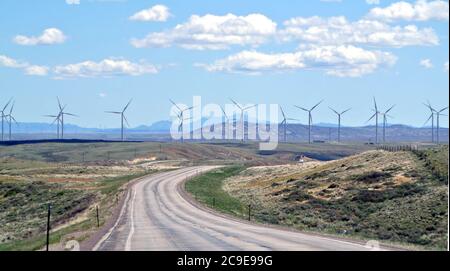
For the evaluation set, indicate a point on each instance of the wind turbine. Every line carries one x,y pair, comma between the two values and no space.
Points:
385,116
433,111
310,119
181,118
226,124
61,116
122,118
285,123
56,119
242,109
438,114
375,115
3,116
11,119
339,120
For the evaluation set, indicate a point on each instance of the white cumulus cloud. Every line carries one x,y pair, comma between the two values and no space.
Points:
338,30
422,10
213,32
157,13
28,68
106,68
36,70
446,66
48,37
426,63
73,2
373,2
341,61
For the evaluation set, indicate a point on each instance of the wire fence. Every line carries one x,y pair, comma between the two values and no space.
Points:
398,148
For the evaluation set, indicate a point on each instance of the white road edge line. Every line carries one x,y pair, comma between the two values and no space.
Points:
108,234
130,235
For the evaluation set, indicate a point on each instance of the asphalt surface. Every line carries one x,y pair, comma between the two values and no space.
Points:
156,217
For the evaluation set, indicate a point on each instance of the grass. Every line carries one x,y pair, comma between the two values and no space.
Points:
28,186
207,189
198,152
393,197
436,160
65,205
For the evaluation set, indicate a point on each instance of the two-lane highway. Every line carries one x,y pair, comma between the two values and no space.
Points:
156,217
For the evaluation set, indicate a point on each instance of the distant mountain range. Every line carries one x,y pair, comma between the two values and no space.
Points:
160,127
296,132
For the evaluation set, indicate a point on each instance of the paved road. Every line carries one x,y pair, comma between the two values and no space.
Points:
156,217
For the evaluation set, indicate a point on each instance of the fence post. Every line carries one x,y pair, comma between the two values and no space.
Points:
48,226
249,212
98,218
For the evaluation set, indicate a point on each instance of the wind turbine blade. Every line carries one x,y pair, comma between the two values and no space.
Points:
126,107
439,111
55,120
316,105
4,108
59,104
15,121
235,103
175,104
113,112
375,104
334,111
371,118
190,108
431,116
224,113
70,114
345,111
387,111
248,107
282,112
301,108
12,108
126,121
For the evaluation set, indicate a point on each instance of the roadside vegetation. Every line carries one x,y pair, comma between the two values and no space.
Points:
207,189
73,190
398,198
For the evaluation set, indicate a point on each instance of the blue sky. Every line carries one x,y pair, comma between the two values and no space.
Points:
97,54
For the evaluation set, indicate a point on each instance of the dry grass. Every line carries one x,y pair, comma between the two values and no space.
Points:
354,195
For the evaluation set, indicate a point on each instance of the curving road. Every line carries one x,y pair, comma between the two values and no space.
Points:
156,217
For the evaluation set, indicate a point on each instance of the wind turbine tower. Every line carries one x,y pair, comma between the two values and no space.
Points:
375,115
438,114
181,118
339,120
385,116
310,119
123,118
10,120
242,109
3,117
